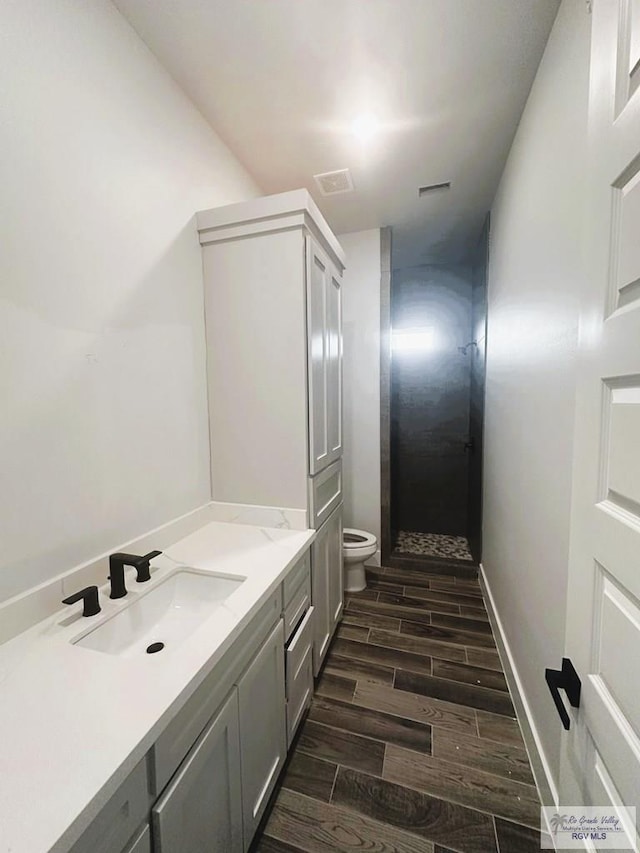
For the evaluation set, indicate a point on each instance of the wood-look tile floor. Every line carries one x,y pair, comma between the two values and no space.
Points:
411,744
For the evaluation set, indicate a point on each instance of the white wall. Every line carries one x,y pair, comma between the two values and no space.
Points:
104,162
534,279
361,328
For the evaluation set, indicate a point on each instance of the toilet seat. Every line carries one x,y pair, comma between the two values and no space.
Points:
352,539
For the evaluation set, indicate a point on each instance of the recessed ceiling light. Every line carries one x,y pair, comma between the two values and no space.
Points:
364,127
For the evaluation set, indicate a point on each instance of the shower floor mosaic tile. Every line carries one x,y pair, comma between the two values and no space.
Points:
433,545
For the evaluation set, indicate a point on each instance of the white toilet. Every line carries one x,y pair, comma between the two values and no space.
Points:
357,547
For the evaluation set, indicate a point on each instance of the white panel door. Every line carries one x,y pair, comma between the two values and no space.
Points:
263,728
601,763
202,807
324,348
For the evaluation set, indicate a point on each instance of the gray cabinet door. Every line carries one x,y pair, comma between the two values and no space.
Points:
326,584
201,810
320,595
336,582
324,357
263,738
334,364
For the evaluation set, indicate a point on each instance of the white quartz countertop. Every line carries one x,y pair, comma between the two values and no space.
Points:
74,722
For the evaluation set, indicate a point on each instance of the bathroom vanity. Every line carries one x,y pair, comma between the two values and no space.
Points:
116,751
272,280
207,779
119,743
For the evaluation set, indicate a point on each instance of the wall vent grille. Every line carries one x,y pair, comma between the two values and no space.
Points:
334,183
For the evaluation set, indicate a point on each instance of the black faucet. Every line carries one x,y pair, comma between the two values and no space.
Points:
117,562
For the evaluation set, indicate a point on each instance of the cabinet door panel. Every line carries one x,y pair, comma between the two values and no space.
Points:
320,595
336,583
317,355
325,493
326,584
334,365
263,737
182,732
201,809
324,355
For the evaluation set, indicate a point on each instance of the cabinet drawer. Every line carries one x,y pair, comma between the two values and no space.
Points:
178,738
325,493
297,607
300,693
301,570
297,650
121,816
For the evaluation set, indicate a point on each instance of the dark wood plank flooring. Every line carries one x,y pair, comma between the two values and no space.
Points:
411,744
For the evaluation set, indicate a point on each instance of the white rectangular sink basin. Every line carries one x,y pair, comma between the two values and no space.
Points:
165,615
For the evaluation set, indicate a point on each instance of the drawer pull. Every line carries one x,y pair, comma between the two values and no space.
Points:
299,632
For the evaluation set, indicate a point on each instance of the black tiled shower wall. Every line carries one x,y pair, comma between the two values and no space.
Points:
430,401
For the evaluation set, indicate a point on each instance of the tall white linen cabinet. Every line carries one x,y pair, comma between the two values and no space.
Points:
272,282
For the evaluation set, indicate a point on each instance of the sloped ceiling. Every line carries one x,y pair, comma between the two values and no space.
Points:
282,80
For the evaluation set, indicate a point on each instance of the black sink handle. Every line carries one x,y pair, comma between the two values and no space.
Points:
142,566
89,597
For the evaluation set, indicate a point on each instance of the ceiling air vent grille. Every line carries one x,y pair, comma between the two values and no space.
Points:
445,185
333,183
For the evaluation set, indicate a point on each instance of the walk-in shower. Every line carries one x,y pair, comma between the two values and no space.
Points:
437,320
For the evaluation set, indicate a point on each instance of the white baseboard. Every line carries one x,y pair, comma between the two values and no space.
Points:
539,764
